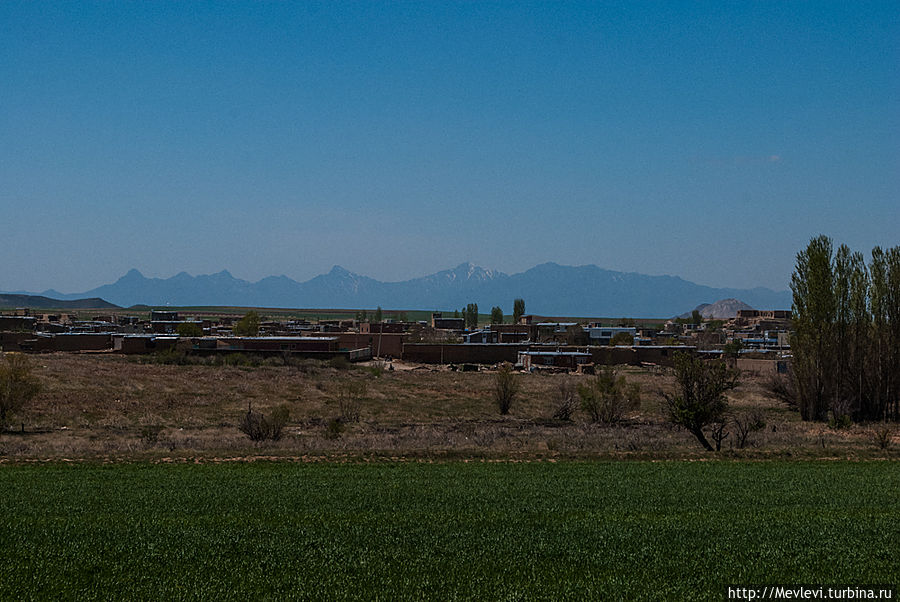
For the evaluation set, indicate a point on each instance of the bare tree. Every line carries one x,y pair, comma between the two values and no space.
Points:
700,399
747,423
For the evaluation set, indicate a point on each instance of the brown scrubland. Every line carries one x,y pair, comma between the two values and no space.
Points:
107,406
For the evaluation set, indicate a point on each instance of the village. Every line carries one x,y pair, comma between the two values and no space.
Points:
756,339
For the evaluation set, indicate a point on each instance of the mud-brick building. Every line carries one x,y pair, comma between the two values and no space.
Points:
569,360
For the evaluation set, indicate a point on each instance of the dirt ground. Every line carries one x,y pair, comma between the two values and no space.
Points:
102,405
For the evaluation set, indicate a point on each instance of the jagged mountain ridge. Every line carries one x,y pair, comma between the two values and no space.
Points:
549,289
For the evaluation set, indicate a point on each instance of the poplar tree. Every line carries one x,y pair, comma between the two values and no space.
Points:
846,340
860,327
471,315
518,310
812,345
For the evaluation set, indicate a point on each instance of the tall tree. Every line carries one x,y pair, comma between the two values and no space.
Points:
472,315
846,341
883,302
840,403
496,315
812,284
518,310
892,407
378,315
860,323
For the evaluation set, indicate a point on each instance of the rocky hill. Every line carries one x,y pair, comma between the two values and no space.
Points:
723,309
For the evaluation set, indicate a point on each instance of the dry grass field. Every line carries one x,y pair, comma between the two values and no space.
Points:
101,405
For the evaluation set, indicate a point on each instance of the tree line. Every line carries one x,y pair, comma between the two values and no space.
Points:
846,333
470,313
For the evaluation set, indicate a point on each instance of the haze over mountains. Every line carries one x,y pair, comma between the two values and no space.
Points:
548,289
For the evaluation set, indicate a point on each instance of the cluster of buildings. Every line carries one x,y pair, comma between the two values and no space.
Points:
531,342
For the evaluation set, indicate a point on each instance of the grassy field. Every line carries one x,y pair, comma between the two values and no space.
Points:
486,531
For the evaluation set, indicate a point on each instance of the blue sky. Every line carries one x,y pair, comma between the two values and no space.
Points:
705,140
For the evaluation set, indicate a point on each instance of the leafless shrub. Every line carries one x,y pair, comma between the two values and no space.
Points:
309,366
884,434
747,423
150,434
607,397
506,387
841,410
566,400
260,427
783,388
334,429
350,398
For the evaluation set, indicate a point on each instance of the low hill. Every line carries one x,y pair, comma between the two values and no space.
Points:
41,302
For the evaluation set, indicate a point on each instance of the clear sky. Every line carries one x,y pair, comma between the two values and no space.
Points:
705,140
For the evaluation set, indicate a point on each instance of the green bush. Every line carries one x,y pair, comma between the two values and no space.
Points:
170,356
841,421
189,329
18,385
248,326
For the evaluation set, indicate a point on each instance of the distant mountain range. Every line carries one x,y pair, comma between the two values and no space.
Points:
42,302
548,289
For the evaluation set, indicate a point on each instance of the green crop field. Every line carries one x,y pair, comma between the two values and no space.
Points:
486,531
